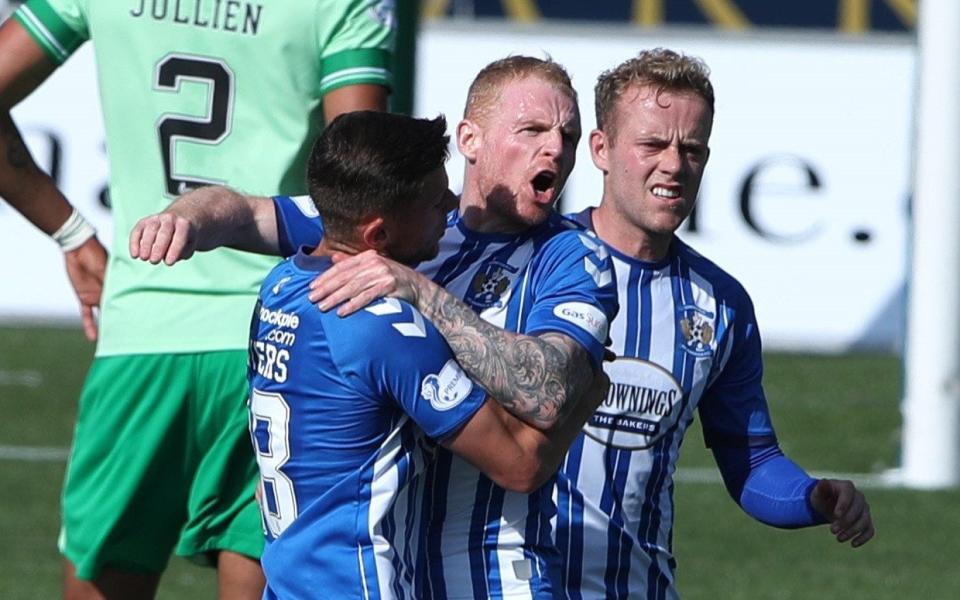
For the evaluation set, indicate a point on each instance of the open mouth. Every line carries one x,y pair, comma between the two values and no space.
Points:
544,181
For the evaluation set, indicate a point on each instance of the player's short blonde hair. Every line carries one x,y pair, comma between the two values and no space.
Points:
487,85
661,69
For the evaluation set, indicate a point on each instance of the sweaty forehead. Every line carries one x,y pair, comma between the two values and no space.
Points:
530,92
534,98
647,106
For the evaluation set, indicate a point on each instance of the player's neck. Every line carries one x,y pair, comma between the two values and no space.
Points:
629,239
329,247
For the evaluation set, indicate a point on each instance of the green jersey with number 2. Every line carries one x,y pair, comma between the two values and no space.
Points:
201,92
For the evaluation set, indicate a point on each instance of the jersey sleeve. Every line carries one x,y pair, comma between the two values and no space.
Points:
356,38
298,223
734,409
575,291
769,487
395,353
58,26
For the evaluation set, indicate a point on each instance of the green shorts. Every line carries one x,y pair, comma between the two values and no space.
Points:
161,461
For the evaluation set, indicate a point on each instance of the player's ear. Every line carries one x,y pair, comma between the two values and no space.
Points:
468,139
599,150
374,234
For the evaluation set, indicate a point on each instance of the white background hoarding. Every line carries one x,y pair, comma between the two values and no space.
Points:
804,199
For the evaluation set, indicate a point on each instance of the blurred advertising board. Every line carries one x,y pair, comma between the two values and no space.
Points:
848,16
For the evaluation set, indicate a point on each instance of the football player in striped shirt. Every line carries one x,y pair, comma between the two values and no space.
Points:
508,260
339,406
686,341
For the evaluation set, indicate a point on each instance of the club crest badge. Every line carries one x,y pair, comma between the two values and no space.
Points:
698,331
489,285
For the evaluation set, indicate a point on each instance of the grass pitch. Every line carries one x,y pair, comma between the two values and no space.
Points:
832,415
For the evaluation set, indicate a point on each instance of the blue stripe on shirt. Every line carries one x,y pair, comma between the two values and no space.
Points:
479,560
536,533
657,582
619,545
632,341
434,513
646,315
570,545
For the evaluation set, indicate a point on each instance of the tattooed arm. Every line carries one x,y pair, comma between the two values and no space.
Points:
537,378
23,66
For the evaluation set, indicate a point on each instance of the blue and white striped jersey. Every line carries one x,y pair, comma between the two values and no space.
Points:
480,540
338,409
489,542
686,339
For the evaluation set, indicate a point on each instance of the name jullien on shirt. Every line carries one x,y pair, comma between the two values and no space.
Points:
226,15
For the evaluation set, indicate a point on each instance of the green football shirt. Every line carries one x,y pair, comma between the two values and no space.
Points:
206,91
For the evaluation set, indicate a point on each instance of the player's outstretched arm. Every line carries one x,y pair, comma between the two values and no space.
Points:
23,67
514,454
845,507
537,378
204,219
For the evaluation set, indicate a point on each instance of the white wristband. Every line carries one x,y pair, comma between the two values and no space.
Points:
74,232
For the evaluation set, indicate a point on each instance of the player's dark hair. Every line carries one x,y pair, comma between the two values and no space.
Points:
368,162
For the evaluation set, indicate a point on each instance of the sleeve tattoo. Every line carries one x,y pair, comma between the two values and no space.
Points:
537,378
